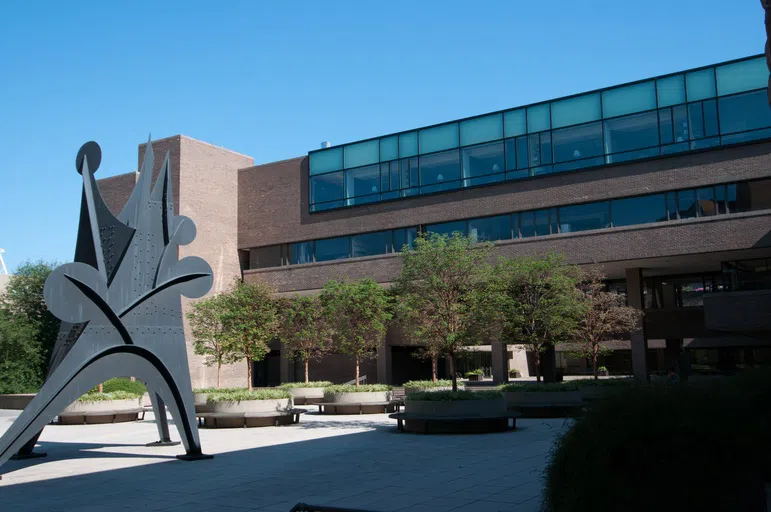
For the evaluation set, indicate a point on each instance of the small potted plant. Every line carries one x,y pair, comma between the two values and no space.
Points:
602,371
474,375
515,374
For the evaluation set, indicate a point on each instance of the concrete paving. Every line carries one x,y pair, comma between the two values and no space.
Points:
346,461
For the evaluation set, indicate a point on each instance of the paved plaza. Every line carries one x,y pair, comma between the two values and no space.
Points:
346,461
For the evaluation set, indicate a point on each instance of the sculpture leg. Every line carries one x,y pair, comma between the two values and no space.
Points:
161,421
28,450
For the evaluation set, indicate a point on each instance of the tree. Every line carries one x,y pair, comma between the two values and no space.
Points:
250,322
358,313
23,297
541,302
445,298
206,323
606,317
20,355
305,331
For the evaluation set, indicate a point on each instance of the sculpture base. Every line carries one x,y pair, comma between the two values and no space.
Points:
25,456
162,443
190,457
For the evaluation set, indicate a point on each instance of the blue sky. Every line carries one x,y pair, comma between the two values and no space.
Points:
274,79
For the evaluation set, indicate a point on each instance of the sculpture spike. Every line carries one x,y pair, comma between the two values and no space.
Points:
137,201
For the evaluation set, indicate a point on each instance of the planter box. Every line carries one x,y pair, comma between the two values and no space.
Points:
358,398
475,378
458,408
602,373
199,399
252,406
408,390
304,396
16,402
543,398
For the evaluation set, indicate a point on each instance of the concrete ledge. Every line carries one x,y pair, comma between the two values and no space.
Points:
543,398
16,402
455,408
307,396
281,405
358,398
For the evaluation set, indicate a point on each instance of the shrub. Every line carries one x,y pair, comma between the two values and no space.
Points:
604,383
312,384
529,387
363,388
478,371
453,396
428,384
240,395
515,374
602,369
699,446
103,397
122,384
205,391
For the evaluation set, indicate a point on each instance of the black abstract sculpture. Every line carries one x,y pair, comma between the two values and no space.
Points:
120,307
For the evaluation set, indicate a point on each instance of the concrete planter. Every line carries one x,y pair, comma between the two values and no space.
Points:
16,402
457,408
304,396
408,390
543,398
102,407
358,398
199,399
475,378
252,406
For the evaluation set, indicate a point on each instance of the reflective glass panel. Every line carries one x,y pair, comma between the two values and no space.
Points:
631,132
742,76
577,142
744,112
665,126
326,161
584,216
395,177
483,160
301,252
515,123
326,187
629,99
408,144
511,153
686,204
706,205
639,210
752,195
580,109
670,90
710,118
481,129
440,171
680,123
370,244
363,181
438,138
538,118
332,249
405,236
527,224
542,222
522,158
696,120
700,85
490,228
363,153
385,177
389,148
448,228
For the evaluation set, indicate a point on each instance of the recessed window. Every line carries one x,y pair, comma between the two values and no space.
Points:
332,249
448,228
577,142
639,210
327,187
440,171
363,181
370,244
584,216
482,160
489,229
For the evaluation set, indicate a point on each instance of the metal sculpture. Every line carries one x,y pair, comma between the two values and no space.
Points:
120,307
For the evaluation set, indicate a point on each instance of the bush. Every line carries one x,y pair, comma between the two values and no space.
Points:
602,369
428,384
350,388
312,384
240,395
529,387
205,391
604,383
453,396
515,374
103,397
122,384
700,446
478,371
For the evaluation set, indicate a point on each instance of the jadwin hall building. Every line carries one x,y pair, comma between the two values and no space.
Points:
665,183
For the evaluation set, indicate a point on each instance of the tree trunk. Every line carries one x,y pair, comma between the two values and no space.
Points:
357,371
101,388
433,369
249,373
537,366
594,363
452,372
307,380
219,370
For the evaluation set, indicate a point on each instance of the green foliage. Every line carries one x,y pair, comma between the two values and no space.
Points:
121,384
428,384
529,387
311,384
23,300
540,301
444,295
453,396
358,312
363,388
20,355
602,369
477,371
697,446
605,383
306,333
204,391
515,373
207,326
240,395
103,397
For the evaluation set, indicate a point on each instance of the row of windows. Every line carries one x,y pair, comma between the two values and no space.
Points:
696,85
681,204
668,130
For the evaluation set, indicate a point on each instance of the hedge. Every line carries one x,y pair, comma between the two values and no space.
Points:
103,397
241,395
312,384
452,396
428,384
350,388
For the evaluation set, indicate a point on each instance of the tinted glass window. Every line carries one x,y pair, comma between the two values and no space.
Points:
490,228
542,223
301,252
744,112
370,244
686,204
707,205
440,171
362,181
696,120
680,123
631,132
584,216
264,257
577,142
639,210
483,160
327,187
326,161
527,224
404,237
448,228
332,249
665,126
752,195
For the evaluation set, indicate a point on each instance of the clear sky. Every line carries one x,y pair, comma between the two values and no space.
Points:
273,79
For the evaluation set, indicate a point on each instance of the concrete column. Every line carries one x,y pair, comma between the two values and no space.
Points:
286,366
634,291
520,360
384,373
674,346
500,356
549,364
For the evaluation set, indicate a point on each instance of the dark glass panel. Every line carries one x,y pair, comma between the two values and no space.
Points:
579,164
705,143
327,187
744,112
527,224
707,205
731,197
515,225
404,171
680,123
720,198
372,198
577,142
542,223
362,182
490,228
319,207
665,126
639,210
517,175
385,177
710,118
511,153
671,205
746,136
522,152
544,169
674,148
584,216
301,252
405,236
546,148
633,155
483,180
414,173
696,120
448,228
332,249
686,204
370,244
395,179
631,132
753,195
554,217
534,144
394,194
265,257
483,160
440,171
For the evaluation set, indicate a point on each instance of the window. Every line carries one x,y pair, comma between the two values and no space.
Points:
545,222
440,171
742,76
327,187
326,161
629,99
490,228
700,85
752,195
540,150
438,138
584,216
483,161
405,236
538,118
514,123
389,148
448,228
362,182
665,126
264,257
628,133
577,110
670,90
301,252
332,249
408,144
638,210
577,143
706,201
481,129
686,204
370,244
527,224
362,153
744,112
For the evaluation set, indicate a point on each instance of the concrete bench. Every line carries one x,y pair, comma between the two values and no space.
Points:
87,418
249,420
359,407
410,422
